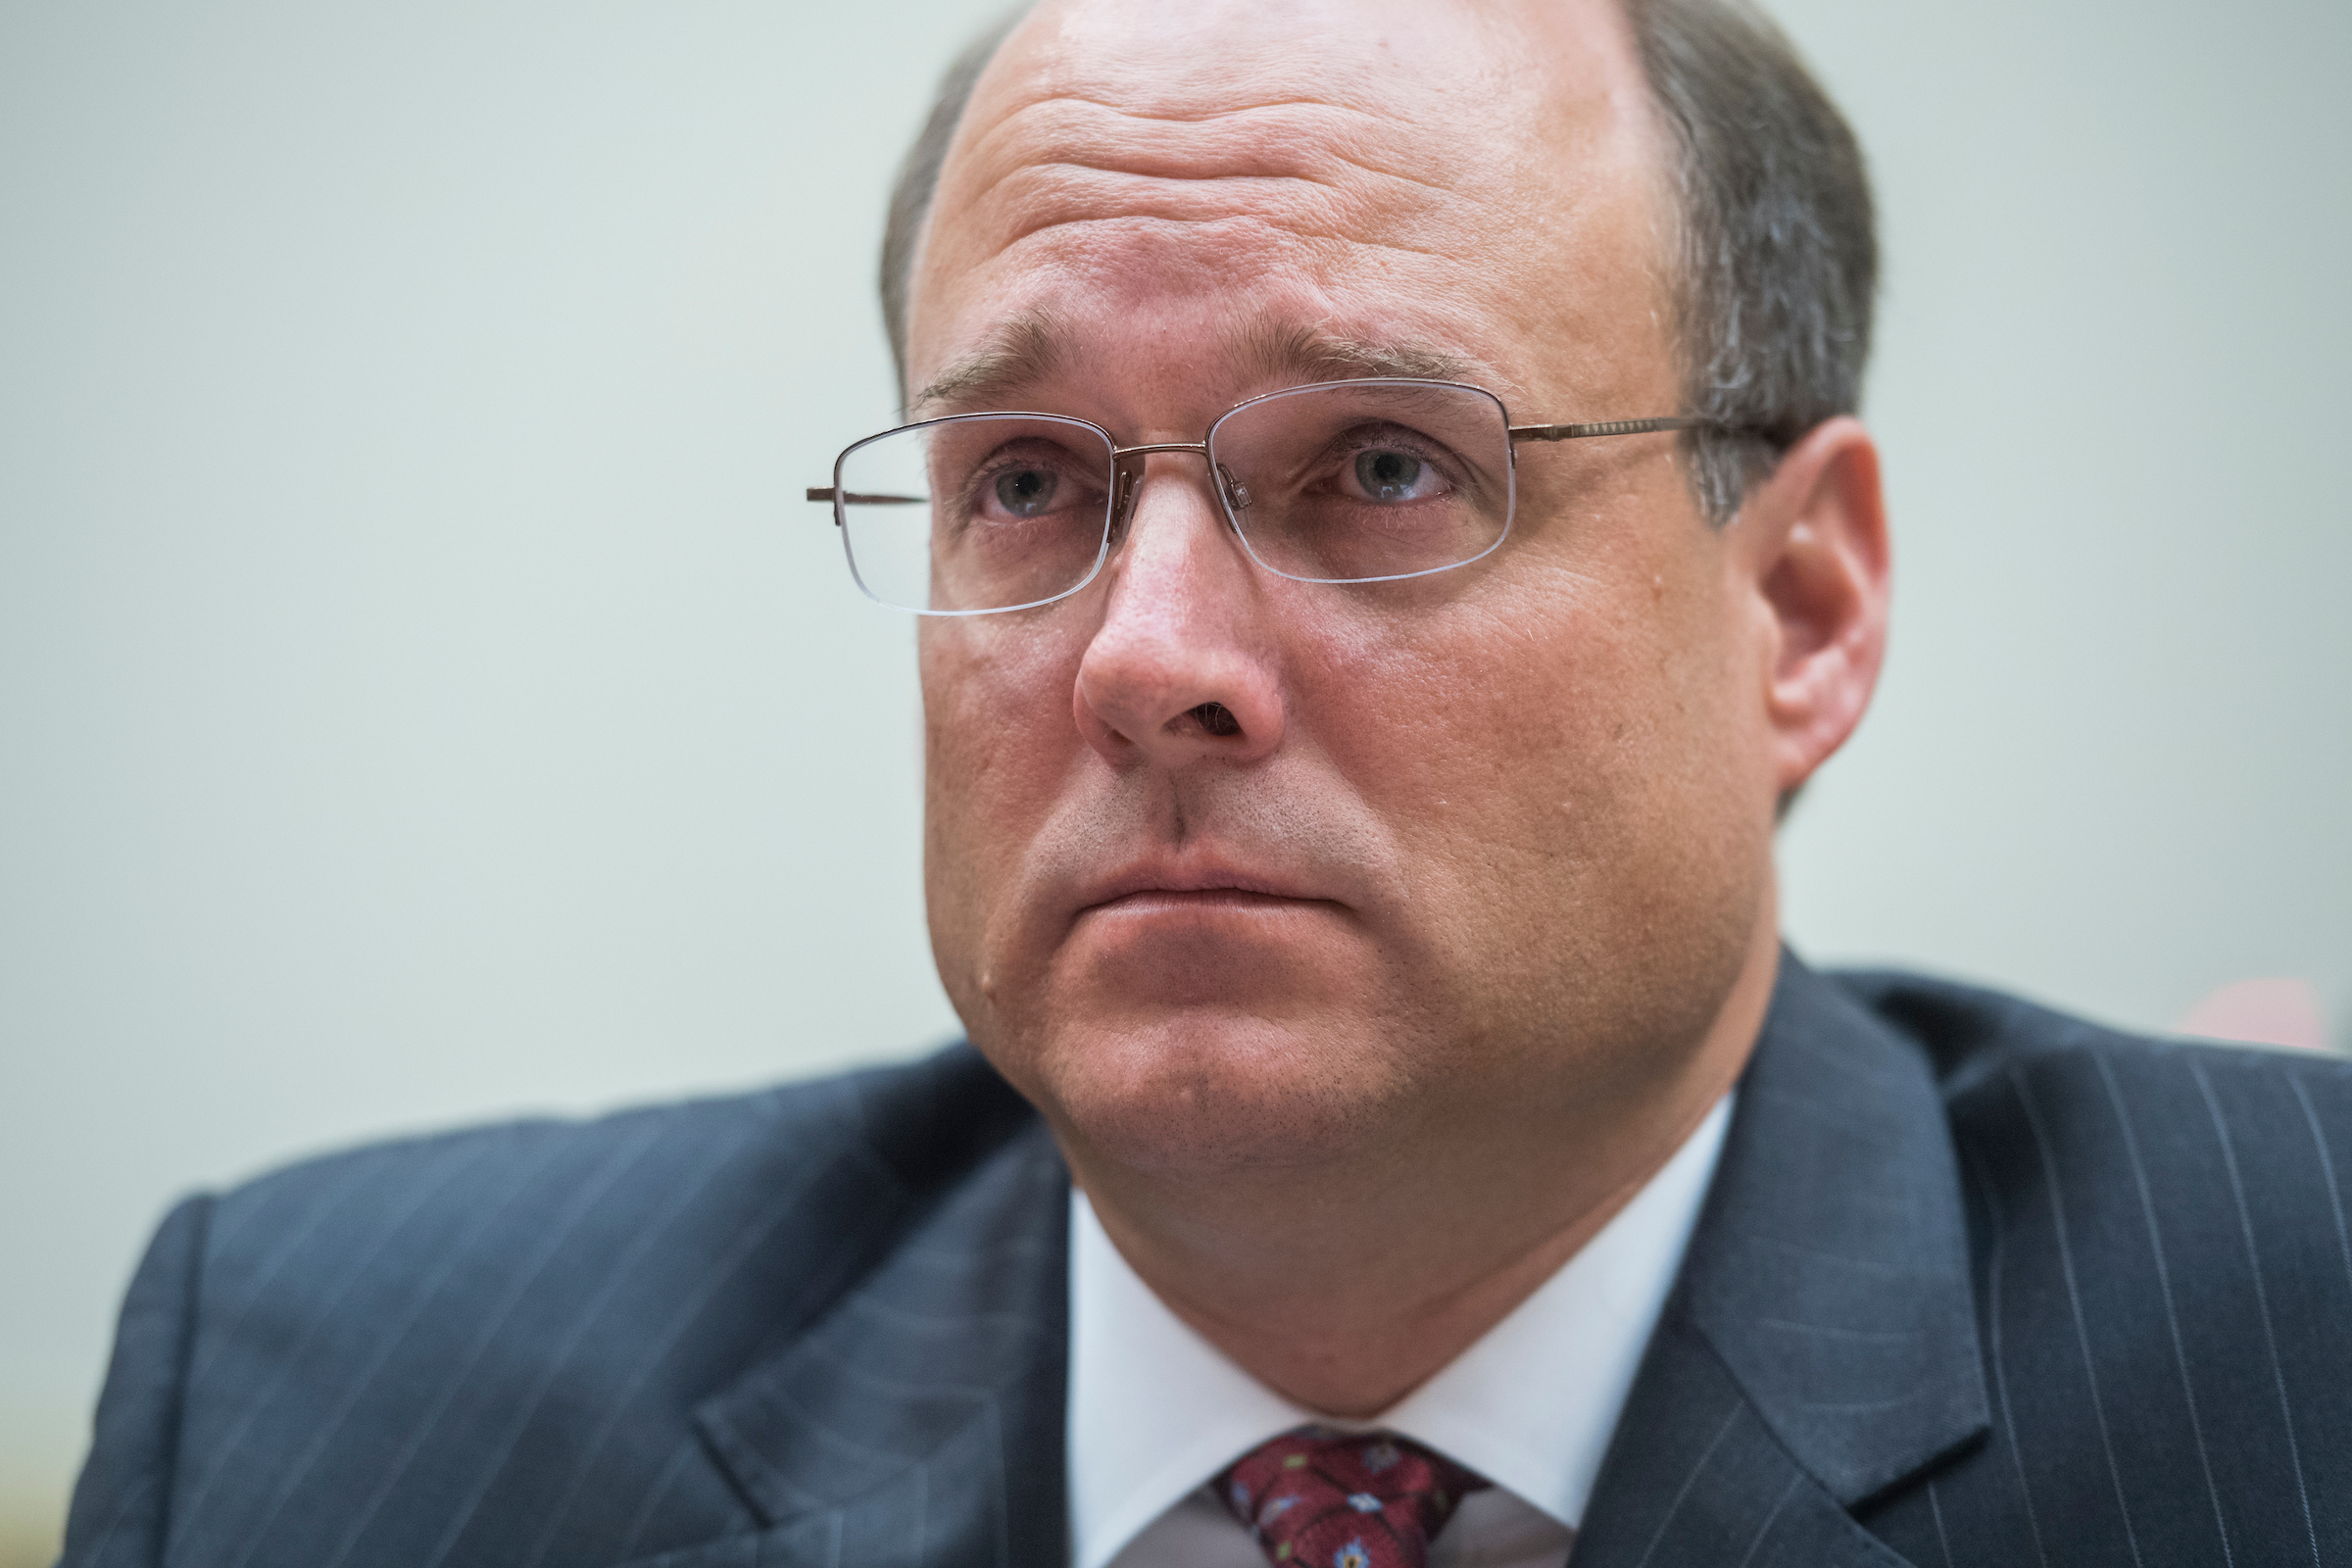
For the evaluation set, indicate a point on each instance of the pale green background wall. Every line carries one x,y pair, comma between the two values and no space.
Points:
423,697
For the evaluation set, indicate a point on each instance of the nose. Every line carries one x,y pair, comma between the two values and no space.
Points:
1183,666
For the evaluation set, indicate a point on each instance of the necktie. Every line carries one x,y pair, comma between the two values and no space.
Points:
1317,1498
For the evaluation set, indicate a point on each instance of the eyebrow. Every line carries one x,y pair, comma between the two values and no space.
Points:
1030,348
1017,353
1317,353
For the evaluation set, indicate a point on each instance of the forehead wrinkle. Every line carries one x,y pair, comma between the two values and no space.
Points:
1192,219
1294,136
1315,168
1292,139
1202,117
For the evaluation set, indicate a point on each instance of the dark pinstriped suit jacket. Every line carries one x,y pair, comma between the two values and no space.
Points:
1976,1285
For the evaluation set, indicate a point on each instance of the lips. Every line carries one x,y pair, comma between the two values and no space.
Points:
1196,883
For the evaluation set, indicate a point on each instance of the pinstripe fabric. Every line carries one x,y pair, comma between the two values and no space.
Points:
920,1420
1976,1285
2166,1295
1980,1285
490,1347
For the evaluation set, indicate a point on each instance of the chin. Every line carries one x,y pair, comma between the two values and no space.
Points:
1211,1090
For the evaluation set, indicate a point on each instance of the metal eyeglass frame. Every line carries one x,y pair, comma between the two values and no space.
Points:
1128,471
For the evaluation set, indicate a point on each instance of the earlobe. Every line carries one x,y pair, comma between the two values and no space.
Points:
1821,569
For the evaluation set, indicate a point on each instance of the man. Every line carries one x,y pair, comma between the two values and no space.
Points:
1391,532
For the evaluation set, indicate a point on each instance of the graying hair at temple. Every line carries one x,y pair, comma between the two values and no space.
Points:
1778,261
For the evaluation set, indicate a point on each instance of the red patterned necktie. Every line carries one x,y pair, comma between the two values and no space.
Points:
1318,1498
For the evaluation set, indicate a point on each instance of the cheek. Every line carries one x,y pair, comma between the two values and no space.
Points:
998,740
1542,696
1558,761
996,706
1475,727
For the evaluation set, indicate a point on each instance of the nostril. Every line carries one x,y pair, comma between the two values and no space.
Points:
1216,718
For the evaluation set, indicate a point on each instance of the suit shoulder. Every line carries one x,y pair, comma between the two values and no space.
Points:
919,1119
2101,1134
505,1314
1973,1034
2092,1151
646,1201
495,1283
2163,1269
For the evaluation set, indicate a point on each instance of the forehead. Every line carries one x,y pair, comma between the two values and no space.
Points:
1166,183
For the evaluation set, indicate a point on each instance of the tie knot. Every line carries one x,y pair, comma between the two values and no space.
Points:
1318,1498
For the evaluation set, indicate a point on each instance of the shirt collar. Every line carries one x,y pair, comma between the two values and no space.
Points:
1154,1409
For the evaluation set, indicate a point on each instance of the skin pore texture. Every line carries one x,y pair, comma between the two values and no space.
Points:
1357,1011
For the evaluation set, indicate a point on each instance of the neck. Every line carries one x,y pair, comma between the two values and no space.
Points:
1438,1239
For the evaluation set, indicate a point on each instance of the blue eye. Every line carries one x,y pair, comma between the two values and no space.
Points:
1027,492
1388,475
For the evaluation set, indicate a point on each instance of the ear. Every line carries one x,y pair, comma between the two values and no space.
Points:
1815,559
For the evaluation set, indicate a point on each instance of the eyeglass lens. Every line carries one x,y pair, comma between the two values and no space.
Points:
1343,483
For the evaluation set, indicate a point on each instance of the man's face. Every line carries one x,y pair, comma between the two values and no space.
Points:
1487,844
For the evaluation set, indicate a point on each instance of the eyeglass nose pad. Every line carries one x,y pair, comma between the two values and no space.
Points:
1236,494
1127,482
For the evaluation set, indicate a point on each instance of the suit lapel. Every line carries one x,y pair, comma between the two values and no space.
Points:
919,1421
1821,1343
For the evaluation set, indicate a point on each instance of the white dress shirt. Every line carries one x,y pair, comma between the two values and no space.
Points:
1156,1410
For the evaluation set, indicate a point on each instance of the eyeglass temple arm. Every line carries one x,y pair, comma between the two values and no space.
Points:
1577,432
859,498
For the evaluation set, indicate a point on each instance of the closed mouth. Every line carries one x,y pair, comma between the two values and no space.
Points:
1141,898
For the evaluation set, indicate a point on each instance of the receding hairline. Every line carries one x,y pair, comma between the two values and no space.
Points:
1033,346
1772,257
1023,349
